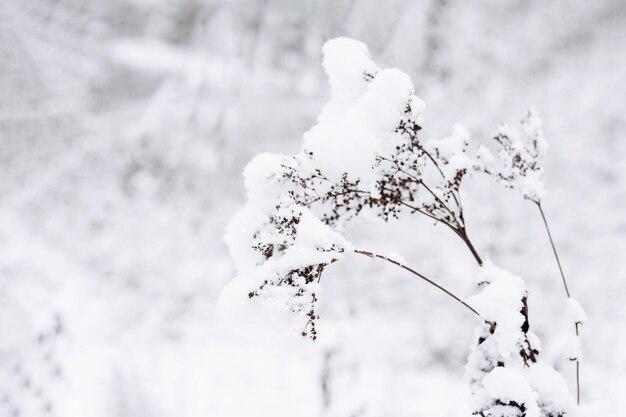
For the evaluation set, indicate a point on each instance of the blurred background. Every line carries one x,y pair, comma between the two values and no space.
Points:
124,126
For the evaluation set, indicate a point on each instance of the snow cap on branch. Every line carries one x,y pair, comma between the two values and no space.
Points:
283,289
510,386
575,311
349,67
280,250
452,150
575,314
503,369
262,191
553,396
365,130
500,301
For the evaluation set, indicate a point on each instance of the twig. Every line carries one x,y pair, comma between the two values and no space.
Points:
558,262
462,232
556,255
428,280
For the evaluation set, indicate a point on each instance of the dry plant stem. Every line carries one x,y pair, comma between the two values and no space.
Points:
428,280
463,235
556,255
460,231
458,225
577,376
558,262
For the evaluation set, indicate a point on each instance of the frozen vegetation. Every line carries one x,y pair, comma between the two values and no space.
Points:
281,248
125,127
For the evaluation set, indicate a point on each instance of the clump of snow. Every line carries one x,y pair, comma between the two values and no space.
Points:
554,397
374,117
283,289
501,302
260,178
503,369
312,233
452,151
507,385
348,65
365,129
484,158
575,311
279,248
239,234
453,144
572,349
262,190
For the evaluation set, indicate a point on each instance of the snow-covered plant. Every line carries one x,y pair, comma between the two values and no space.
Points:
520,151
503,369
365,154
517,165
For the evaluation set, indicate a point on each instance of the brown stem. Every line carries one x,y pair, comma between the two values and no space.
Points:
556,255
558,262
423,184
462,232
577,374
440,201
428,280
418,210
438,169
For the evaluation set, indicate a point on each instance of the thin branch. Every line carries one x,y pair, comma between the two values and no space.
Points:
577,376
558,262
425,152
556,255
462,232
329,196
423,149
428,280
427,214
440,201
419,181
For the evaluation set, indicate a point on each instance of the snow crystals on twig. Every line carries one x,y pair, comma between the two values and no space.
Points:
520,149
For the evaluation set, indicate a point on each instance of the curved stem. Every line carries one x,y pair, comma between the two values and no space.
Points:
461,232
558,262
428,280
556,255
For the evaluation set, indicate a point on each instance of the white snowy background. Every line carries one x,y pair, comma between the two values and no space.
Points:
124,127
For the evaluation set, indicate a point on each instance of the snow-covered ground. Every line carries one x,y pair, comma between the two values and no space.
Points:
124,127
